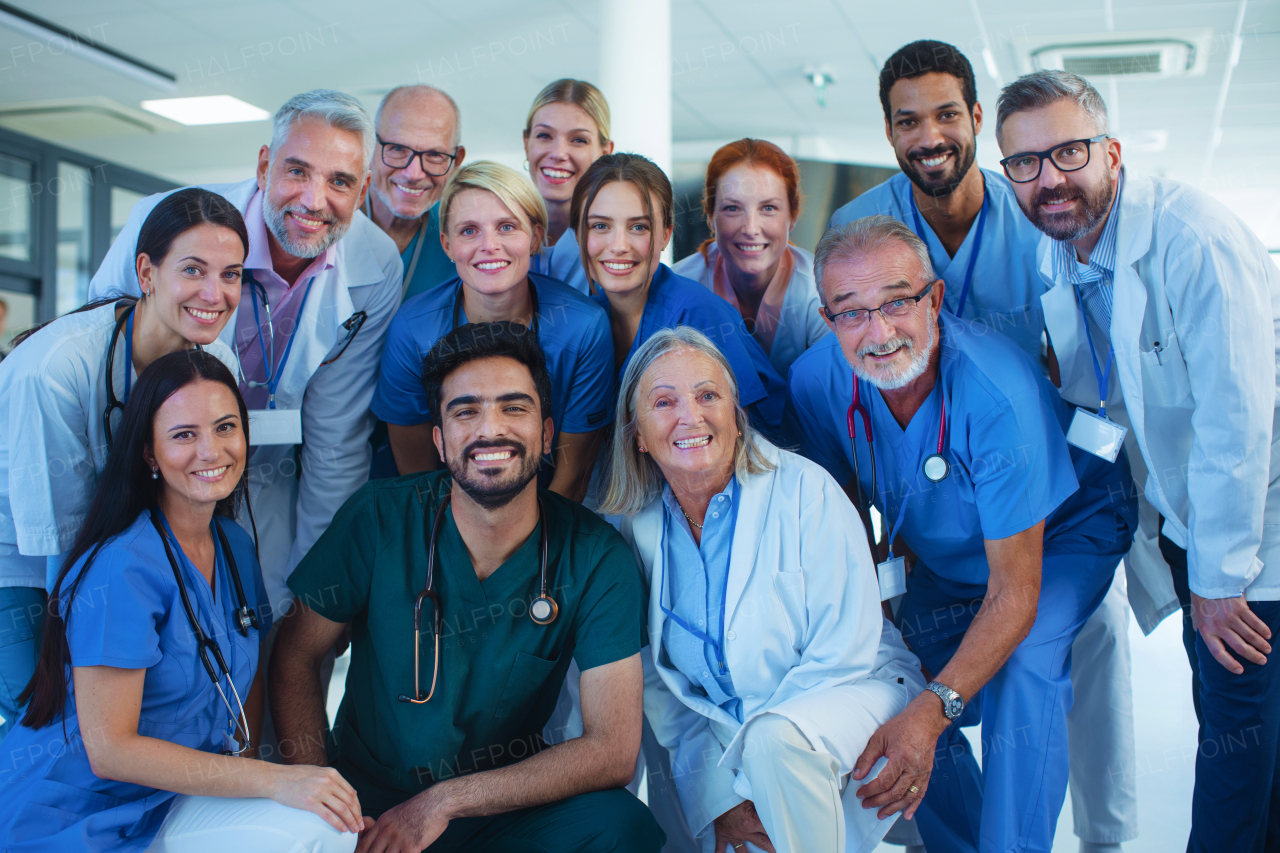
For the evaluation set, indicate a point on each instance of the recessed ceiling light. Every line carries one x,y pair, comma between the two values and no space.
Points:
213,109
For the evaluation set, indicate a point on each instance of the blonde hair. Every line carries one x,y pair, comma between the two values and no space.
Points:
634,479
511,187
582,95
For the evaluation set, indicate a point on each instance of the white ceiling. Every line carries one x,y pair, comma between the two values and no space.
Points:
737,71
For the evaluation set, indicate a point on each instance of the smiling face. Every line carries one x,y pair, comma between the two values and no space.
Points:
421,121
196,286
561,143
932,132
490,244
687,421
1064,205
888,352
312,185
198,444
492,435
753,218
620,238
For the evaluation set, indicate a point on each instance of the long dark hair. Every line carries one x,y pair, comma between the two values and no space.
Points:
175,215
125,489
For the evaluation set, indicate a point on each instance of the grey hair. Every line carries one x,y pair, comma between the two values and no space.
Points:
862,237
634,479
1042,88
334,108
423,89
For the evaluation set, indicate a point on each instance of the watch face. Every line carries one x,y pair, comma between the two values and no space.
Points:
954,706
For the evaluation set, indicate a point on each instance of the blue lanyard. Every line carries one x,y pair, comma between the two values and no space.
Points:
1103,376
702,635
274,372
911,490
973,252
128,356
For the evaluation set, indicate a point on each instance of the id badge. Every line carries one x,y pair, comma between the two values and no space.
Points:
1096,435
893,578
275,426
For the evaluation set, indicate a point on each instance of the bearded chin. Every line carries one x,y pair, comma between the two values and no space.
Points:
914,369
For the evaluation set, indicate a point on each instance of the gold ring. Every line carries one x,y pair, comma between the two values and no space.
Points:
913,790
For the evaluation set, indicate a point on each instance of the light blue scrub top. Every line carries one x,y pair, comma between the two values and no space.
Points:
674,300
1011,466
1007,285
562,261
572,330
127,613
697,578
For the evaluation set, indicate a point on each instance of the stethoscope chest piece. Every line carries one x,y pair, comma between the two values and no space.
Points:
544,610
936,468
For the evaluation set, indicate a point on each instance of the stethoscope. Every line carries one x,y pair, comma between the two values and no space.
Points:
542,610
935,468
208,648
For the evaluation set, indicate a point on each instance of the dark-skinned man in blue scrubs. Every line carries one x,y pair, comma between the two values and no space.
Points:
442,742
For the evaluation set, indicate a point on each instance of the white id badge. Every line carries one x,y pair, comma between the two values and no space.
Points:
1097,435
893,578
275,426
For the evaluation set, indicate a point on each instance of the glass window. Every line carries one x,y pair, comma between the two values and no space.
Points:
15,208
122,202
17,315
71,192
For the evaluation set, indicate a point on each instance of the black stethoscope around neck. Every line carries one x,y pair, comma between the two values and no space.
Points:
209,650
542,610
935,467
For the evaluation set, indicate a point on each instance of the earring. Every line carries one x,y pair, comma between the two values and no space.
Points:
155,473
642,450
526,164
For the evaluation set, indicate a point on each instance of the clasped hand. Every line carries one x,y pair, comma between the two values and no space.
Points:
410,827
1228,622
908,742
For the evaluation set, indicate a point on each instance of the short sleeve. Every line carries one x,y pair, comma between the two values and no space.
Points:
806,421
1020,465
610,623
589,391
334,577
115,612
399,397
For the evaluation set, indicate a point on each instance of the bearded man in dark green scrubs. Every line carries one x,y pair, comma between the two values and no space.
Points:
467,769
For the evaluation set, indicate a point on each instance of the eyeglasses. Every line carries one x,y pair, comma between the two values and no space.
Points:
353,325
434,163
1068,157
856,318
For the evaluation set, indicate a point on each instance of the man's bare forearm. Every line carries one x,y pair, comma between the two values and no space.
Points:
297,702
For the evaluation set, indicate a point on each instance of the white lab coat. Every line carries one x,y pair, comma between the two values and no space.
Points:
1202,410
295,496
800,325
53,392
804,636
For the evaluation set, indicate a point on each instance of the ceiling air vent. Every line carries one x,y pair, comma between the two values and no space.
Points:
1131,59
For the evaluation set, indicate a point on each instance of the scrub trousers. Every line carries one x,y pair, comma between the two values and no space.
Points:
1236,802
1013,802
22,611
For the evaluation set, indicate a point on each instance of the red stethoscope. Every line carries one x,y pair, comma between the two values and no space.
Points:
936,468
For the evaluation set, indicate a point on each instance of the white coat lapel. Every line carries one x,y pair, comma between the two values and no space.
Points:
754,498
1133,240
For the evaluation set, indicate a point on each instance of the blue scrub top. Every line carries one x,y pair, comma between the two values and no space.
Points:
1011,466
1007,285
572,330
127,613
678,301
562,261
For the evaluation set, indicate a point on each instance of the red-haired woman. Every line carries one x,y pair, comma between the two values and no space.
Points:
752,201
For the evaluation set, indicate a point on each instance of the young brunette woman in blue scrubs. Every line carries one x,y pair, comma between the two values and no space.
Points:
133,733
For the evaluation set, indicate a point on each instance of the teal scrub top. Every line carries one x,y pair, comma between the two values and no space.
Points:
434,265
500,674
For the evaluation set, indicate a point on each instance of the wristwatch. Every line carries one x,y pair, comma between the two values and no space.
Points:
952,703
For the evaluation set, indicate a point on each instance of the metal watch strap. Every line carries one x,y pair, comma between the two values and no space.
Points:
948,697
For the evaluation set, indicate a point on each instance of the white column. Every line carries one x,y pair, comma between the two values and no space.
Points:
635,75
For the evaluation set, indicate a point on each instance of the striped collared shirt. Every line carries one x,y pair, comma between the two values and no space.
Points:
1093,280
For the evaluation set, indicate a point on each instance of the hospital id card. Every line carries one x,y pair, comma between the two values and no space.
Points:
1097,435
275,426
893,578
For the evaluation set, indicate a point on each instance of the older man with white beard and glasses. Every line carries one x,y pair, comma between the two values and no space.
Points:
1160,282
321,284
418,133
958,440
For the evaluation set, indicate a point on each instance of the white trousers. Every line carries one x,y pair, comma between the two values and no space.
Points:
246,825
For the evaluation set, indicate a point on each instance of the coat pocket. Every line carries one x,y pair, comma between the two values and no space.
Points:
1164,374
790,589
529,674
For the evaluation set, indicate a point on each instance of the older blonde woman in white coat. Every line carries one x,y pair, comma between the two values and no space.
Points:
770,663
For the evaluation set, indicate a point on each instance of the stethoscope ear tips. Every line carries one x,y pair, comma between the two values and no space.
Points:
544,610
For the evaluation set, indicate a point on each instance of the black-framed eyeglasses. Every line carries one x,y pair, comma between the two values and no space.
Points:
1068,157
856,318
434,163
352,324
